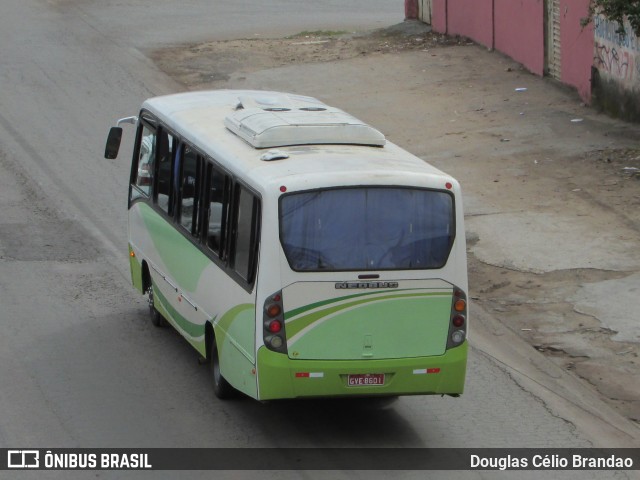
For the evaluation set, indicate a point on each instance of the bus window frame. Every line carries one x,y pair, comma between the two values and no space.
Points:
146,120
170,213
222,255
200,173
255,236
230,208
229,215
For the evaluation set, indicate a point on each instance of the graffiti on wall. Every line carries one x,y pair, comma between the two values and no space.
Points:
617,63
617,55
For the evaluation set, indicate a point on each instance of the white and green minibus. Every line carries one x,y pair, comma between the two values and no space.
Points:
296,249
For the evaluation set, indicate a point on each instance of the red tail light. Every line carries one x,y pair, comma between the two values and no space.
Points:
274,328
457,334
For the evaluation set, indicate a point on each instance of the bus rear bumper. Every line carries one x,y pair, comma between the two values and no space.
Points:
281,377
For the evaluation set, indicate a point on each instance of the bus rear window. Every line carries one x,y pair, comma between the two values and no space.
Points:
367,228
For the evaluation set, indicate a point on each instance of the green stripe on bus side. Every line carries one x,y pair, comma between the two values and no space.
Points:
299,324
288,316
223,326
136,271
192,329
395,328
297,311
197,330
184,262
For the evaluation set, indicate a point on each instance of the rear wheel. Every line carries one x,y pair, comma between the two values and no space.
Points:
221,387
156,318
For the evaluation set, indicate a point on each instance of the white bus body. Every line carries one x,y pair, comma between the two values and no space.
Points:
296,248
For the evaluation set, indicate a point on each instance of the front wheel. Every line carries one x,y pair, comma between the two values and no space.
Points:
222,389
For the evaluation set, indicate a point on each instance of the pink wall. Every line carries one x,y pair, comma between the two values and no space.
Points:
517,28
410,9
519,32
439,16
471,19
577,46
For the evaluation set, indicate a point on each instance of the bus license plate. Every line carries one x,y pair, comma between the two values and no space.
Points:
365,379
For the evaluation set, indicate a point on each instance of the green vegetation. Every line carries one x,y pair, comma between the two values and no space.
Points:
318,33
617,10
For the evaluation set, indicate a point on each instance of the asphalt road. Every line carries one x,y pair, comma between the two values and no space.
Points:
80,364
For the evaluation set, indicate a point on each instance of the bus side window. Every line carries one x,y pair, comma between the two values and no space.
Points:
244,249
218,207
190,190
163,191
143,175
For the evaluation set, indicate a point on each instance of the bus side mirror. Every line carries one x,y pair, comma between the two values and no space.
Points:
113,143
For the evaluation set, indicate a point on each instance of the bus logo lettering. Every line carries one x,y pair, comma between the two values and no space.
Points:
359,285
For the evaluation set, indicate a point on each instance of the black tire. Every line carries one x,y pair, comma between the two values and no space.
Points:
221,388
156,318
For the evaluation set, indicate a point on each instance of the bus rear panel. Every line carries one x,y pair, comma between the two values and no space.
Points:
386,325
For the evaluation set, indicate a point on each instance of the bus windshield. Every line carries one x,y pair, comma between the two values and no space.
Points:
367,228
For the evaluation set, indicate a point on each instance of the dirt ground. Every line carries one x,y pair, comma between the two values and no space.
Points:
526,151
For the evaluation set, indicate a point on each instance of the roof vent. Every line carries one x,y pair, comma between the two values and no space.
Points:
272,155
278,122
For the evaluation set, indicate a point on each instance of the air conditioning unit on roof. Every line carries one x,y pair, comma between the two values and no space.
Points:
283,122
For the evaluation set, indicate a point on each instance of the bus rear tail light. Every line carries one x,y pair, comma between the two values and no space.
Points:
273,322
457,337
458,319
273,310
275,326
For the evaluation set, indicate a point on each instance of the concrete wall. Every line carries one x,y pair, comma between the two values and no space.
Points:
616,62
617,56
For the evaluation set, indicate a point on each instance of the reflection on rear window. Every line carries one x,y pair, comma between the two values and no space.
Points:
367,228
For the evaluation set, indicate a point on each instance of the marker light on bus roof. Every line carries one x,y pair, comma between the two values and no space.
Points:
448,185
283,189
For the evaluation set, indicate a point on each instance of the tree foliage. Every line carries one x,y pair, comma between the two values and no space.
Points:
617,10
